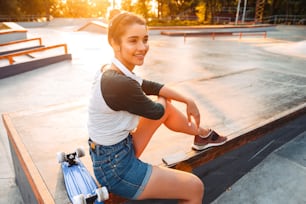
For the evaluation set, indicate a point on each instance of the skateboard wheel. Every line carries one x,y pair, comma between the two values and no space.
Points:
80,152
79,199
60,157
102,194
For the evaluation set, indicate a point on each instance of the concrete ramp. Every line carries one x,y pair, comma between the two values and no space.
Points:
14,32
94,26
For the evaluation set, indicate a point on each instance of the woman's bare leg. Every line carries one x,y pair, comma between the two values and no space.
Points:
168,183
164,182
172,119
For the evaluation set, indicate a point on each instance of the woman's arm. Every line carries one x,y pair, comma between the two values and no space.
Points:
191,110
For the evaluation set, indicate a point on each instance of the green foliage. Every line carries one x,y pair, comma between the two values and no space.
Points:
127,5
168,10
201,8
80,8
56,8
141,7
8,7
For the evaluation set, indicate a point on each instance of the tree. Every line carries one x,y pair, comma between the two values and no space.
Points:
80,8
127,5
8,7
209,7
206,9
163,8
34,7
288,7
99,8
59,9
142,7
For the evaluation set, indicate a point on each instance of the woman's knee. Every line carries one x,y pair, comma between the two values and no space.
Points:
169,109
198,186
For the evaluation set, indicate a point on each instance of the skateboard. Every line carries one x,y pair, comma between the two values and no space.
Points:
173,159
80,185
180,156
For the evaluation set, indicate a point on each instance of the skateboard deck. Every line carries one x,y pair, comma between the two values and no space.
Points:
184,157
80,185
195,152
181,156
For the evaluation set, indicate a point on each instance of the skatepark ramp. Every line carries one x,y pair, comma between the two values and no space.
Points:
24,58
11,31
94,26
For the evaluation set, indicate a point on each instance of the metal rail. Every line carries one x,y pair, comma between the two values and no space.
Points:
229,33
22,41
11,56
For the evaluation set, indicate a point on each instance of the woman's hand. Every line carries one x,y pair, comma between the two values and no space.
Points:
192,109
193,112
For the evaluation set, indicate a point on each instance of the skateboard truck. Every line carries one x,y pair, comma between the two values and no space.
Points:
71,157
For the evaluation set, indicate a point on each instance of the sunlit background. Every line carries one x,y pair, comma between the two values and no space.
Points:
161,12
101,8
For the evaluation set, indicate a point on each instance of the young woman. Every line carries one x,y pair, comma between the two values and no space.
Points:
122,120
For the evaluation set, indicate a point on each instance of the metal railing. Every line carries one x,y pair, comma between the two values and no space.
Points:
24,18
22,41
275,19
285,19
10,57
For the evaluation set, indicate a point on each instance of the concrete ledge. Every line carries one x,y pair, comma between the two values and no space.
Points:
221,174
33,154
31,184
240,138
15,32
94,26
19,68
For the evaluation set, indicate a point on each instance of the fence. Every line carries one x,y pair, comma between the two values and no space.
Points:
275,19
285,19
24,18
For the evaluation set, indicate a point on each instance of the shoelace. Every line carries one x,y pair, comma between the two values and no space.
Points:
214,136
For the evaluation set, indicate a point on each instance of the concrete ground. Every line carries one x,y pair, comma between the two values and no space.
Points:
236,83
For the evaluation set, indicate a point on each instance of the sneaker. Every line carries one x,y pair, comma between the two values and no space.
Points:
213,139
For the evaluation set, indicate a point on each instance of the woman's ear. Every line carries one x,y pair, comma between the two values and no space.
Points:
115,46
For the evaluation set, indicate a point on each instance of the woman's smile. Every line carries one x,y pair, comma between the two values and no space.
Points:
134,46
